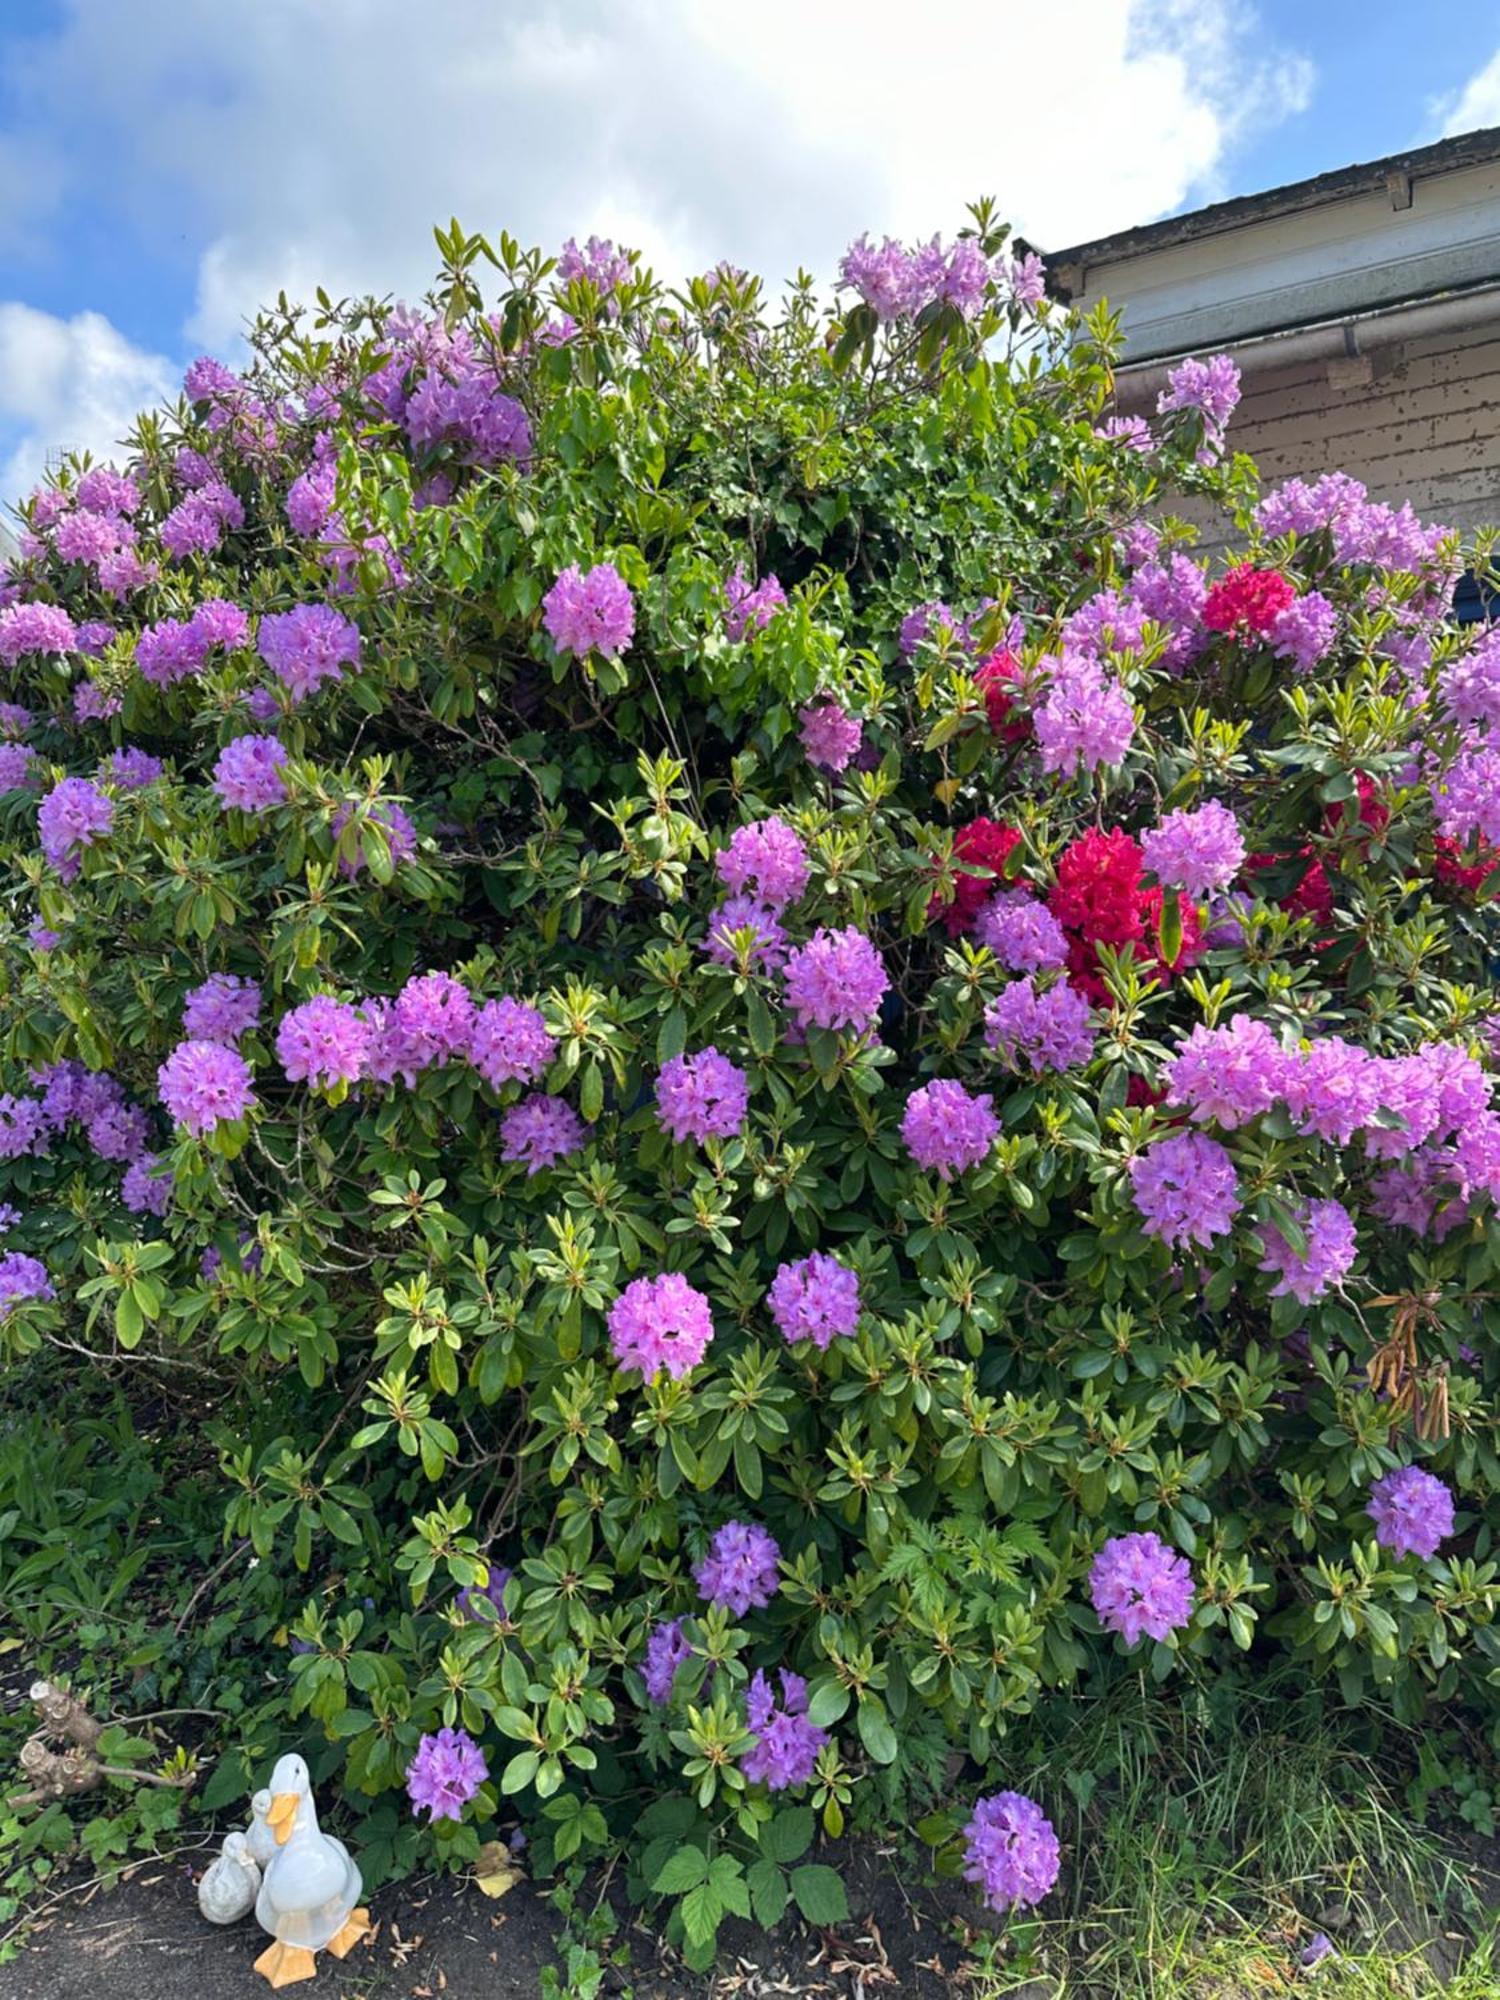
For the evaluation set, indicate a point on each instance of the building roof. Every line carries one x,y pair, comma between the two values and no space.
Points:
1394,174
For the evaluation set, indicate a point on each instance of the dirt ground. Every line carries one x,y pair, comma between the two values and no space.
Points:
144,1940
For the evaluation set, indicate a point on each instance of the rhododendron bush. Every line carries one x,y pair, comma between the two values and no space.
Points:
792,1080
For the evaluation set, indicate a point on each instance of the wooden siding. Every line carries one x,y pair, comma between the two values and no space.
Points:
1424,426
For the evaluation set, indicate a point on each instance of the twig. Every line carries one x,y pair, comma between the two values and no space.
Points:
213,1575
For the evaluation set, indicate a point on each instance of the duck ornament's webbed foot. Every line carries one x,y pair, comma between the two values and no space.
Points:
358,1926
284,1964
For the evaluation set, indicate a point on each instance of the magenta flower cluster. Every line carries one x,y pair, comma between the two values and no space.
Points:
248,776
785,1752
1011,1851
75,815
1199,851
700,1097
660,1323
1041,1029
947,1129
836,980
1185,1190
1327,1260
750,608
815,1298
204,1085
667,1653
445,1774
1085,717
741,1570
1412,1511
223,1009
510,1042
1139,1587
590,612
307,646
539,1131
831,736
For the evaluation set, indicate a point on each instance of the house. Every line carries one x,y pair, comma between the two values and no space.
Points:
1363,307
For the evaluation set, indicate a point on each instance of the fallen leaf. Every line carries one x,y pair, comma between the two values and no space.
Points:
496,1870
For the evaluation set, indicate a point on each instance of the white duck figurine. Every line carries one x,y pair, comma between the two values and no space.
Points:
258,1836
227,1887
310,1887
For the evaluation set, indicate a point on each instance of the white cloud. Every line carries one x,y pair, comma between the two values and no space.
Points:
1475,105
67,384
296,145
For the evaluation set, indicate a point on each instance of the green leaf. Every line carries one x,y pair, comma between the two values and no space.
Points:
684,1870
876,1733
789,1835
819,1893
769,1891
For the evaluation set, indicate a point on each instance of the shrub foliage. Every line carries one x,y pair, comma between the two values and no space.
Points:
636,913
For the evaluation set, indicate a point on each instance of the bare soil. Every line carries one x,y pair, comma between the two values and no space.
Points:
143,1939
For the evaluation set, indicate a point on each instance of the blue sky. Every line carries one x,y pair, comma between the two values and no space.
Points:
166,164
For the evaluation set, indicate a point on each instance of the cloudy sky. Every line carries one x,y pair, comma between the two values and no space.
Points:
167,164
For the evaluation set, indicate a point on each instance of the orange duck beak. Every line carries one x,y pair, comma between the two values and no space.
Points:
283,1816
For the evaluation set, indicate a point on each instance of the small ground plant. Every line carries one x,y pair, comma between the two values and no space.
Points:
764,1083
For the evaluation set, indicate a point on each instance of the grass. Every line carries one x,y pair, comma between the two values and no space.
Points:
1204,1850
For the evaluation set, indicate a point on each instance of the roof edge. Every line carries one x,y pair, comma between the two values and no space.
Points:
1465,149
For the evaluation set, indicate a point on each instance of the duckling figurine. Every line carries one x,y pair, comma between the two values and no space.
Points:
310,1887
258,1836
229,1884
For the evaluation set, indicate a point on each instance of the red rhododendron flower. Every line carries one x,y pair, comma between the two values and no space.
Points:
1247,602
999,678
1099,899
1312,894
1449,865
986,844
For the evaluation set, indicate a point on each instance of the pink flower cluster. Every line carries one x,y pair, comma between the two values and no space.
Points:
660,1323
836,980
700,1097
816,1298
590,612
1011,1851
1185,1190
1139,1586
1046,1029
1307,1274
947,1129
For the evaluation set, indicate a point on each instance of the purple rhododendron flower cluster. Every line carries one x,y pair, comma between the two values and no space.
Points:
1011,1851
948,1129
590,612
1185,1190
1305,631
446,1774
307,646
816,1298
1327,1260
147,1186
35,628
222,1009
831,736
1210,387
750,609
74,815
741,1570
767,860
1022,932
1199,851
745,918
248,774
660,1323
895,282
204,1085
22,1278
510,1042
16,763
1046,1029
131,769
539,1131
324,1042
598,262
700,1097
1412,1511
434,1016
836,980
1084,718
667,1653
1226,1076
1138,1586
785,1752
